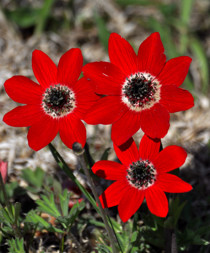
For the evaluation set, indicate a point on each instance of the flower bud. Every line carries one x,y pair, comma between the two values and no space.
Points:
3,170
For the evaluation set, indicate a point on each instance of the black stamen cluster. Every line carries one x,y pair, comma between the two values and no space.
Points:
141,173
139,90
58,100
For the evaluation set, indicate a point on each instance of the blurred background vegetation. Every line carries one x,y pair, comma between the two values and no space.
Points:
54,26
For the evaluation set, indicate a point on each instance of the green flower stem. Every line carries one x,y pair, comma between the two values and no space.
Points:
62,164
171,243
43,16
110,222
90,162
170,231
79,151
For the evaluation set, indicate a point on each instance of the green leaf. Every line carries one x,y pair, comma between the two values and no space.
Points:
116,225
183,22
68,221
199,53
16,245
134,236
7,215
134,250
176,209
102,248
157,222
4,216
56,186
168,10
10,188
77,208
34,178
47,205
17,212
199,241
103,33
97,223
23,17
185,11
64,201
7,231
105,154
35,219
44,14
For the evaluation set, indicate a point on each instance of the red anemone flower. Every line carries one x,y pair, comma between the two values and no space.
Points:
140,91
56,105
142,174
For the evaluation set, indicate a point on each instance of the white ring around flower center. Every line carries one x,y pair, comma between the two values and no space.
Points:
141,178
145,103
58,101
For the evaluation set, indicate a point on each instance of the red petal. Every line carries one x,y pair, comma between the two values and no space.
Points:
175,71
172,183
129,154
156,201
125,127
109,170
151,58
122,54
175,99
42,132
23,116
70,67
23,90
149,148
72,130
113,194
130,203
155,121
44,69
84,96
107,77
170,158
106,110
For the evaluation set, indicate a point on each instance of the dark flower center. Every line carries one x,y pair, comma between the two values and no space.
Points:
58,100
139,90
141,174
